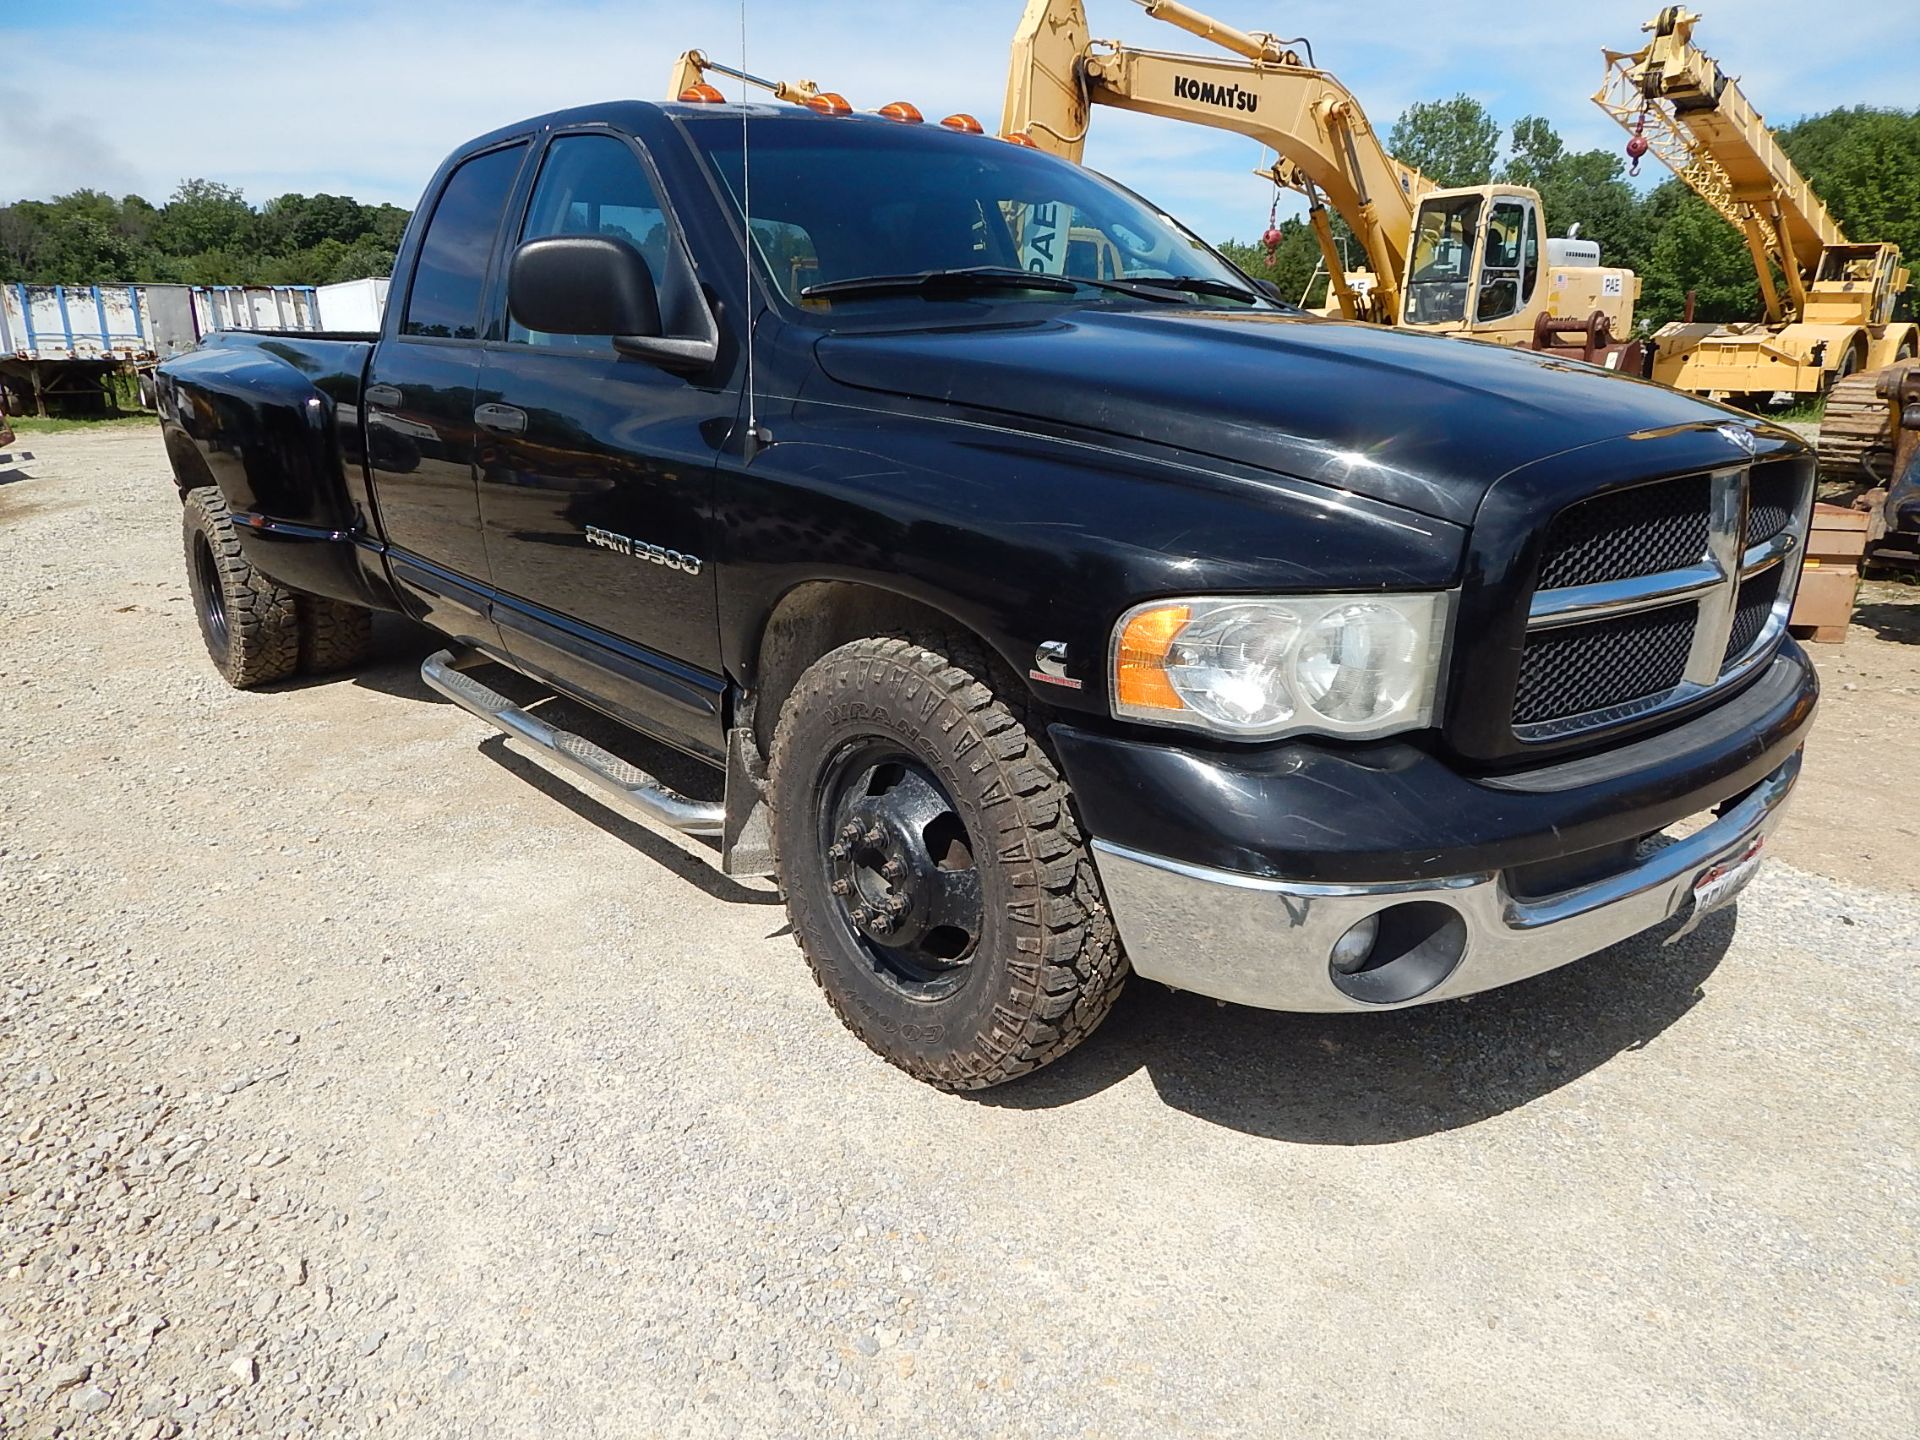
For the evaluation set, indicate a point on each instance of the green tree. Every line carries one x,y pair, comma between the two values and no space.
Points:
1587,188
1865,164
1693,249
202,217
1451,142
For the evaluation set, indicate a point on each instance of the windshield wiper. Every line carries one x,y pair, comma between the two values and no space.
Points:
1202,285
974,277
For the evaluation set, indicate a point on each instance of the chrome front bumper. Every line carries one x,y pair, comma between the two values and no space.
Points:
1259,941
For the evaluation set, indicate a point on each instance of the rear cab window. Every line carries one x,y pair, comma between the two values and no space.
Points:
450,274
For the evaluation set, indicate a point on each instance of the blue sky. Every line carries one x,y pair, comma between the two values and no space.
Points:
365,96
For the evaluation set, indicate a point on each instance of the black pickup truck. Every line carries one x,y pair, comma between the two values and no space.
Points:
1055,602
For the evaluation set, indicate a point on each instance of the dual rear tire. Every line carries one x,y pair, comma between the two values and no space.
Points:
257,631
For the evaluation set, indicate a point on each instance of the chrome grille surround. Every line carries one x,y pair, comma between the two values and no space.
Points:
1711,585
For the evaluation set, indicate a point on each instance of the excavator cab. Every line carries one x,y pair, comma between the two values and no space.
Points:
1475,261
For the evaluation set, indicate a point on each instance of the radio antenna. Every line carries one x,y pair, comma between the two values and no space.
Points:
746,225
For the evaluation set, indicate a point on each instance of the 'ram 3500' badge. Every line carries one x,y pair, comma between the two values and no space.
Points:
641,550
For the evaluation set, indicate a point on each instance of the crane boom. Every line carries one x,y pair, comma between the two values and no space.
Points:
1697,122
1835,321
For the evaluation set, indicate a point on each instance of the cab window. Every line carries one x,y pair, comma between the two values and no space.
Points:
594,185
451,272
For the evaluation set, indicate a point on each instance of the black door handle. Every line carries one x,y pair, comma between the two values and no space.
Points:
507,419
383,395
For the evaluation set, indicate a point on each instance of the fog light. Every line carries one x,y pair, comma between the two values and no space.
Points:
1351,950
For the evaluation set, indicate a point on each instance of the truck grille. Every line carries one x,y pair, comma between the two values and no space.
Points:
1653,595
1579,669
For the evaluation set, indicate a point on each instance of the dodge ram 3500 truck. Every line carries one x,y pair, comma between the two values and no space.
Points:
1047,622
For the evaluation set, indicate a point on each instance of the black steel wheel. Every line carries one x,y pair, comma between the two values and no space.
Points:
934,872
899,863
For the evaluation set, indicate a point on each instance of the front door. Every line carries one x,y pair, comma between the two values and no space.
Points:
419,403
597,476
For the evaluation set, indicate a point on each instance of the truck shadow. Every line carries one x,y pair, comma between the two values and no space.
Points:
1896,622
399,646
1395,1076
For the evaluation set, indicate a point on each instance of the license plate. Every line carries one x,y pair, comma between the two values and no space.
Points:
1717,886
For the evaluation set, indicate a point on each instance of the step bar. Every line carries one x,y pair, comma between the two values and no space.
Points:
446,673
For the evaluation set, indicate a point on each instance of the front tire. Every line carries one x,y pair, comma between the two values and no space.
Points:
934,872
251,626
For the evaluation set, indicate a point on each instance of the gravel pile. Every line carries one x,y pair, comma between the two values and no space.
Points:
359,1077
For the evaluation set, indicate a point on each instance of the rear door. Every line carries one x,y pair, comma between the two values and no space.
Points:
419,401
597,473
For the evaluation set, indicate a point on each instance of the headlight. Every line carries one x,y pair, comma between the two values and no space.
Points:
1351,665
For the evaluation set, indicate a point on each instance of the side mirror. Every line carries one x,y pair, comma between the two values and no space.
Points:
583,285
1270,289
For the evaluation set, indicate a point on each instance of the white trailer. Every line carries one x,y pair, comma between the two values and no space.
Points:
353,306
59,342
255,307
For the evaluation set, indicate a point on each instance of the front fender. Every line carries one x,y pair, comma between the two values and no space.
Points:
1025,538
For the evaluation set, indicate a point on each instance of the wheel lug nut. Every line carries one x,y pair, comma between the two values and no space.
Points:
875,836
850,832
861,915
838,851
842,887
896,904
883,923
893,869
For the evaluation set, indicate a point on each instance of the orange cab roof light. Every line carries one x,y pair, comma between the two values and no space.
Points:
964,122
827,102
903,111
702,94
1020,137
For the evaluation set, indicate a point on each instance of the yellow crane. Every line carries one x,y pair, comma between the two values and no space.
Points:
1474,262
1830,316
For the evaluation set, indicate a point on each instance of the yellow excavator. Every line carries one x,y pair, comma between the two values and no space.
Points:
1833,327
1474,262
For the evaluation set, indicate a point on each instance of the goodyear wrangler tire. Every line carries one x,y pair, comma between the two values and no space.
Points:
251,625
933,869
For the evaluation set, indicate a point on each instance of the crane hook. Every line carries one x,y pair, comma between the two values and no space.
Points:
1275,237
1638,144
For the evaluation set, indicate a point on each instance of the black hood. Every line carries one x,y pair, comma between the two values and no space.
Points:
1422,421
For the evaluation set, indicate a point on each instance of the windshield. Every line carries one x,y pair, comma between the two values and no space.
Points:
1443,260
848,200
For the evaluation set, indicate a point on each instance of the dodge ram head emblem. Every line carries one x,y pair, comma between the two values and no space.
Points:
1741,438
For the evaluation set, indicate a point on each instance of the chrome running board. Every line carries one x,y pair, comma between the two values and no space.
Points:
604,771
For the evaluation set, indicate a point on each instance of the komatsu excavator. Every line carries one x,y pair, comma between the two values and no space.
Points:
1833,328
1475,262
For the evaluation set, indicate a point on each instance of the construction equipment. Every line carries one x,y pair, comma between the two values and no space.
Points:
1472,262
1833,325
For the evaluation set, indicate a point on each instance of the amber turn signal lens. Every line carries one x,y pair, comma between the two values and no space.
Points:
701,95
1020,137
828,102
900,110
1140,662
964,122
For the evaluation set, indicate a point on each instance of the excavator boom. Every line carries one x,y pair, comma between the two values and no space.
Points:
1256,87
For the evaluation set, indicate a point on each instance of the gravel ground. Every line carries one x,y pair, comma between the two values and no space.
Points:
357,1077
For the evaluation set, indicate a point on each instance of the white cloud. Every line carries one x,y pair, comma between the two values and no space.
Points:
365,98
